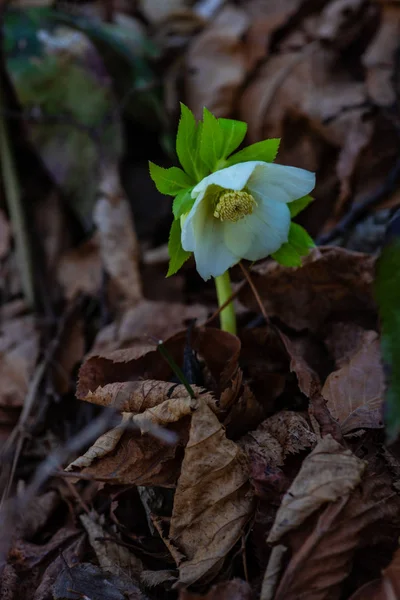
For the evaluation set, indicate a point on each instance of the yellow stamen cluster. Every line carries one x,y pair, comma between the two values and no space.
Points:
233,205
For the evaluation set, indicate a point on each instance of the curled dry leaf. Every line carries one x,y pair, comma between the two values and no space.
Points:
331,280
126,457
355,392
323,552
236,589
216,64
213,499
282,434
219,350
328,473
137,396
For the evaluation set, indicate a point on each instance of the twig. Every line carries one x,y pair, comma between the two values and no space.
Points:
13,198
220,308
360,209
255,292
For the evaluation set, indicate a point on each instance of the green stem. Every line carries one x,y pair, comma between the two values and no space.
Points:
224,291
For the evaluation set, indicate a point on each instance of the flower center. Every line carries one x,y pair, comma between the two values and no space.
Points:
233,205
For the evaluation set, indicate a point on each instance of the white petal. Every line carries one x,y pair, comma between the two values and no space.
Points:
233,178
203,235
281,183
261,233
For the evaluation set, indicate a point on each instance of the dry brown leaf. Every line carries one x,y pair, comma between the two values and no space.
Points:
139,325
282,434
219,350
119,247
213,499
379,58
331,280
19,351
355,392
80,270
328,473
387,588
236,589
323,550
216,64
343,340
128,457
112,556
136,396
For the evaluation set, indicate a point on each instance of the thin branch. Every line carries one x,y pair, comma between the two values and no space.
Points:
359,210
255,292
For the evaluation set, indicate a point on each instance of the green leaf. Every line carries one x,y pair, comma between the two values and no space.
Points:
298,245
177,254
212,140
266,151
233,133
387,294
297,206
169,181
183,202
188,145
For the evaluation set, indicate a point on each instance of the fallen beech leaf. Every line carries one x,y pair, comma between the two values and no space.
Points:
323,551
305,357
216,63
19,350
136,396
331,280
387,588
117,238
236,589
213,499
112,556
343,340
282,434
79,270
219,350
138,325
355,392
129,457
328,473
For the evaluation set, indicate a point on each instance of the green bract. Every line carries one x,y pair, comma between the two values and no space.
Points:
206,147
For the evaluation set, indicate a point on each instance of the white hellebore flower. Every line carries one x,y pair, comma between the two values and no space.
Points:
241,212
